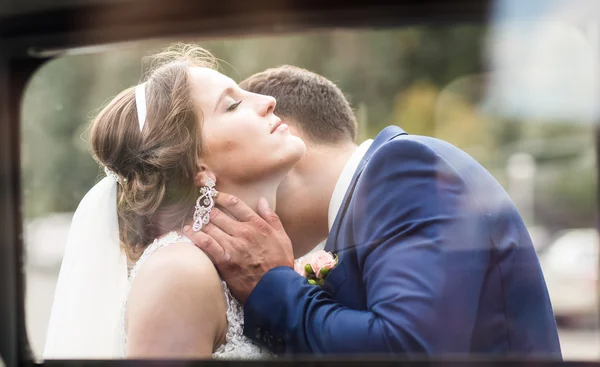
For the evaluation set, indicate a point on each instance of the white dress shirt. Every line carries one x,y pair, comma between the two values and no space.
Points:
343,182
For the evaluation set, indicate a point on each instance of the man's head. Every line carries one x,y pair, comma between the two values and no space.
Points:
317,111
310,102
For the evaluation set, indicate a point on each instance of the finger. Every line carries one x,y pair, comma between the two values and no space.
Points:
209,245
236,207
268,214
223,222
217,234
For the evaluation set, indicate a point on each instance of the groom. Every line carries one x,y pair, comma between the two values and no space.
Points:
434,259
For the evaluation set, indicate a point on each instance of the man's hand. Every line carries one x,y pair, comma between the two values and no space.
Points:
243,245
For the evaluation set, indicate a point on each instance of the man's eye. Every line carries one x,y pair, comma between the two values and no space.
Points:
233,106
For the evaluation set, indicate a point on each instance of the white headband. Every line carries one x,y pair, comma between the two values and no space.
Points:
140,102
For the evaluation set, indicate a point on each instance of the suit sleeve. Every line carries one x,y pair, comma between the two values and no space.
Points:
418,243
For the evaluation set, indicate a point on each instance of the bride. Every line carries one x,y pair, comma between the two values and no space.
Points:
164,145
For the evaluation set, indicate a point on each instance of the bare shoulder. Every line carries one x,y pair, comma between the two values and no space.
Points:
180,268
178,260
176,296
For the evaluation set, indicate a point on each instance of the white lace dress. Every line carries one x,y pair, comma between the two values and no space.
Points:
236,346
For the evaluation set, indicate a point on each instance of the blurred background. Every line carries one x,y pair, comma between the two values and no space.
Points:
519,94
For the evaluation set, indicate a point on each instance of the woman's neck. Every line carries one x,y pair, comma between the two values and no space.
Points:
250,193
174,220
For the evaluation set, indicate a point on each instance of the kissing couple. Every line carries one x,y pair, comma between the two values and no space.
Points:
187,248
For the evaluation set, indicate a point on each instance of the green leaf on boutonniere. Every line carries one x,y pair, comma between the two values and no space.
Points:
308,269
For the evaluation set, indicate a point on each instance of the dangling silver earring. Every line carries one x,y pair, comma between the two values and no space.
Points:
204,205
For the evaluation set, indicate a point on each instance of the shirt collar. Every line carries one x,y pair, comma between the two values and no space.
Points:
344,180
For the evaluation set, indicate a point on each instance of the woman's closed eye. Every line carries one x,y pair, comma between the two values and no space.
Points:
233,106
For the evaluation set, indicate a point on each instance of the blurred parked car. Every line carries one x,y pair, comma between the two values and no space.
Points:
570,265
540,237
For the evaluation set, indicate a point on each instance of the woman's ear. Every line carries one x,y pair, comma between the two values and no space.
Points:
204,173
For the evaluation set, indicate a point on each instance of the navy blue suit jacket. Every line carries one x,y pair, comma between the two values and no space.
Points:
434,259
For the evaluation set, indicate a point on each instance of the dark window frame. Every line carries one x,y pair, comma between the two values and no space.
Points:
35,31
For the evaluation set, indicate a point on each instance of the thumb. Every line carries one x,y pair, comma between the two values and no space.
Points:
268,214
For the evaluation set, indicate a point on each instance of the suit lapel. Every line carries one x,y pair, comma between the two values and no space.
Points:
384,136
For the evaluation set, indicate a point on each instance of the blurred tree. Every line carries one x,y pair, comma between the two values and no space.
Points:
430,80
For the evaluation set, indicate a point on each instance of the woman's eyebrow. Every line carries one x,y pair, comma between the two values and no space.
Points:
225,92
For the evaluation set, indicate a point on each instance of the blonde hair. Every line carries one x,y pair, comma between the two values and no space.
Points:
157,165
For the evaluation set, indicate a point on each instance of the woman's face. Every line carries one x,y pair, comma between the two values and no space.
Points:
243,141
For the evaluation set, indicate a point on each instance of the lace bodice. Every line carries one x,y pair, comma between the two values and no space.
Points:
236,345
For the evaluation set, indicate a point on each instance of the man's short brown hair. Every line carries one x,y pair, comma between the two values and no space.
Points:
316,105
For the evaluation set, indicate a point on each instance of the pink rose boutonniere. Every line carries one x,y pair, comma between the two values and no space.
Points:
315,266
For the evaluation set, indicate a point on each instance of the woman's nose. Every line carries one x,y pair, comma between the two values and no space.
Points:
268,105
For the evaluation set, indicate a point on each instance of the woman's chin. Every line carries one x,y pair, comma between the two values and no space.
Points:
294,151
297,147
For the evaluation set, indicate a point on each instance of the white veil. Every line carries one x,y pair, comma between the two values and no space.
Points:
85,322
